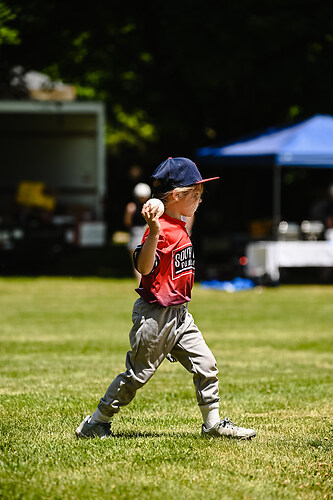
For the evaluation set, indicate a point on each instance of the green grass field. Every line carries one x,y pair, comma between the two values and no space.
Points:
63,340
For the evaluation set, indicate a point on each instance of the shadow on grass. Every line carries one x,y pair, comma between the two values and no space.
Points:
138,434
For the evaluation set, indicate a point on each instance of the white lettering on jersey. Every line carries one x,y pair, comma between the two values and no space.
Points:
182,261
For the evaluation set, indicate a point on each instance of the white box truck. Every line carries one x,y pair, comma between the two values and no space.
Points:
52,173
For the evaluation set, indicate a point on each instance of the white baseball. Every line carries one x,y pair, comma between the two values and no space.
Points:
155,202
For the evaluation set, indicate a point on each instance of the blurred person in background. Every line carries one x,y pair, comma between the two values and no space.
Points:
328,211
323,209
134,221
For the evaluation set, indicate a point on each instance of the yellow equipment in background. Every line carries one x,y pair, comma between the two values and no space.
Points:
31,194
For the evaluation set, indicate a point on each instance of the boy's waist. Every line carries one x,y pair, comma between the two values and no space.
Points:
157,304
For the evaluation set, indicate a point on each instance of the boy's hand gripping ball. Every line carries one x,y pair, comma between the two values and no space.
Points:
155,203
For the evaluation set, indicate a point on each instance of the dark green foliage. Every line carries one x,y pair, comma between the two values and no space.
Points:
179,75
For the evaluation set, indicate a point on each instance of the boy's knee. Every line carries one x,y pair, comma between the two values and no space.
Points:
208,366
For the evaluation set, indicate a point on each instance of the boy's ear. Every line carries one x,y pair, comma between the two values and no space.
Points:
175,195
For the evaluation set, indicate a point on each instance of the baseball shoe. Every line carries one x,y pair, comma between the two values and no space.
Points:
99,429
228,429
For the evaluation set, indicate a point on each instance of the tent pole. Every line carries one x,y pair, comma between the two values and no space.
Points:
276,200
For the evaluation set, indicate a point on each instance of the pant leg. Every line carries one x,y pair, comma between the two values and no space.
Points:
152,337
193,353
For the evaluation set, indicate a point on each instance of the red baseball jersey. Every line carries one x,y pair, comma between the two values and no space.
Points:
171,280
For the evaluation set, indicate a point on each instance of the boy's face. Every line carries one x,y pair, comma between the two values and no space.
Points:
189,203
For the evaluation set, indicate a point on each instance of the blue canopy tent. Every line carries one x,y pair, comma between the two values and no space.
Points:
306,144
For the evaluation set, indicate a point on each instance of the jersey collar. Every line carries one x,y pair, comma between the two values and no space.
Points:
173,220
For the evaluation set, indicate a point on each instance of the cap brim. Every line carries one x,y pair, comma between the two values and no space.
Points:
207,180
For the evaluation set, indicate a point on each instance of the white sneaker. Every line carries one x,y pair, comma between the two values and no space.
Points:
228,429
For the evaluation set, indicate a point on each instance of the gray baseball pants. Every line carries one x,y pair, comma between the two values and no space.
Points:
158,331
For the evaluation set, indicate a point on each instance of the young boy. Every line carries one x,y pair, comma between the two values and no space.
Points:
162,325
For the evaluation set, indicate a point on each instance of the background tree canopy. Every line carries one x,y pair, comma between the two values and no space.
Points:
177,75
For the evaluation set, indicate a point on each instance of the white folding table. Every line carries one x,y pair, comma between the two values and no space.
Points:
267,257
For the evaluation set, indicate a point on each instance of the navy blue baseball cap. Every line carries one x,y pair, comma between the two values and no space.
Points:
178,172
